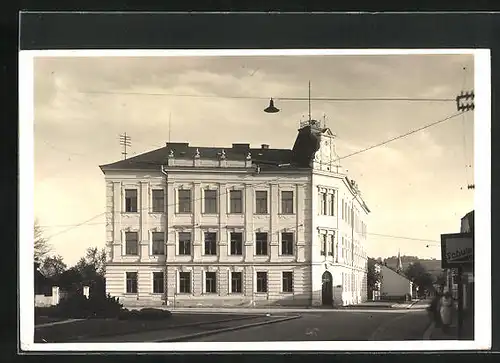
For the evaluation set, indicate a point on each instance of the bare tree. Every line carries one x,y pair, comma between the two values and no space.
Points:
94,259
53,266
41,245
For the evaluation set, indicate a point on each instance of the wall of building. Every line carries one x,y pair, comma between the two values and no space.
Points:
393,284
144,222
116,283
348,260
249,295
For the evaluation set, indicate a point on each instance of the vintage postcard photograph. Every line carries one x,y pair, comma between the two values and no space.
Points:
228,200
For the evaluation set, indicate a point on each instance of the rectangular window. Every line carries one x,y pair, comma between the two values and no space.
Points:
131,200
287,243
343,210
332,204
261,202
323,244
286,202
210,243
210,201
236,201
184,201
185,282
158,283
131,278
131,243
322,204
236,243
343,249
236,282
210,282
287,281
328,204
158,201
261,281
332,244
184,243
158,243
261,243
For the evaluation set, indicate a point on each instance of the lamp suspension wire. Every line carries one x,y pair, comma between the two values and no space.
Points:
309,100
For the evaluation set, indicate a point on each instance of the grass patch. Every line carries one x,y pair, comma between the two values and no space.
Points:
89,328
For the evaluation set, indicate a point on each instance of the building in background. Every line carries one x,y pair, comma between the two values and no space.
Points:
238,226
394,285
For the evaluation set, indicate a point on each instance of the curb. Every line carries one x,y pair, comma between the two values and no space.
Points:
58,322
412,304
217,331
428,331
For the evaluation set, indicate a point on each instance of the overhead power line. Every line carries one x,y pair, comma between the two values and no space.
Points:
331,99
279,178
76,225
368,233
401,136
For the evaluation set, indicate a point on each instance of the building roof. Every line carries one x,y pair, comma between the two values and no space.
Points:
154,159
396,272
300,157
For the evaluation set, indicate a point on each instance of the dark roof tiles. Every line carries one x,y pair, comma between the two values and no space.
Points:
153,159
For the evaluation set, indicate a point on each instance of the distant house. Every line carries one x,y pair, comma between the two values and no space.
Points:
393,285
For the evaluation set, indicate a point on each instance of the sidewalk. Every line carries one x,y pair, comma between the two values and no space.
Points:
436,333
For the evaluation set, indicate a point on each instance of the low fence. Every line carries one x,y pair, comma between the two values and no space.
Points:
55,297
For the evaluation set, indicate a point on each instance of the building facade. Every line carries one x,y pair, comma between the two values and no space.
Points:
236,226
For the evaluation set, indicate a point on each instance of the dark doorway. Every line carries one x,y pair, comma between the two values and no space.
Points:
327,288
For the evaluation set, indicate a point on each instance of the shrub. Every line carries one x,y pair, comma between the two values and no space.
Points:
74,306
154,314
97,306
102,306
144,314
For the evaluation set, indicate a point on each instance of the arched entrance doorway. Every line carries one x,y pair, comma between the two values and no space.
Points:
327,288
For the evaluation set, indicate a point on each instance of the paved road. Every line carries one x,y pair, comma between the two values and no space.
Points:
341,326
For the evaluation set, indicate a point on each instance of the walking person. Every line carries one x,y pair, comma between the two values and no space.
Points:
434,309
445,310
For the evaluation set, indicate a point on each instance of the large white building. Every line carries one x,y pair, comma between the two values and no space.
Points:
236,226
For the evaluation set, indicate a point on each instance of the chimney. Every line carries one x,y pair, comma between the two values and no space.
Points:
177,144
265,146
241,146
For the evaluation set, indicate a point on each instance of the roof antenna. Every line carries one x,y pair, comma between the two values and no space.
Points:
125,142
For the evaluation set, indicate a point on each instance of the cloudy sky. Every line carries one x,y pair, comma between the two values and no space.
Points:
416,187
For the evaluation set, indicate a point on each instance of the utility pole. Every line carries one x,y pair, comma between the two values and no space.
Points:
464,107
465,96
125,141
